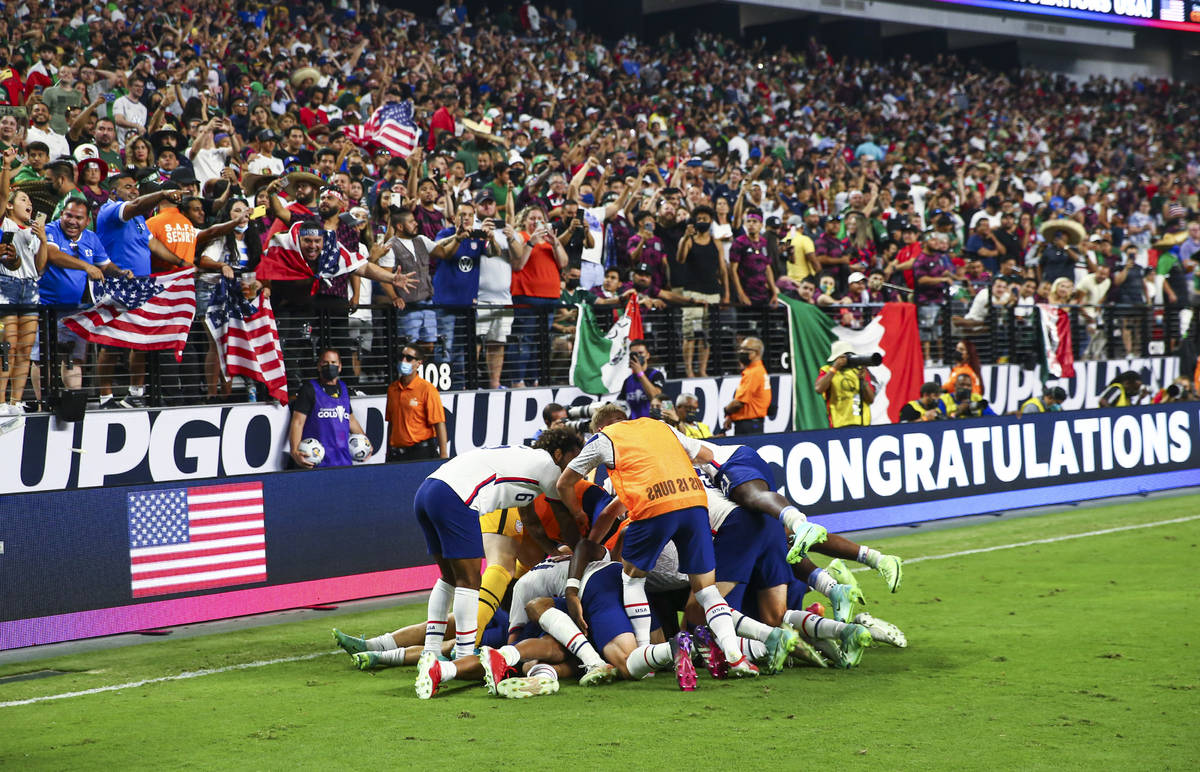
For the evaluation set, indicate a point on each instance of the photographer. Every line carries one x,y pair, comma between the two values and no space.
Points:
927,407
1124,390
965,403
553,415
847,387
1050,401
644,384
573,233
1179,391
687,410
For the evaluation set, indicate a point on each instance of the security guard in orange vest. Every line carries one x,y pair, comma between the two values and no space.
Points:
652,472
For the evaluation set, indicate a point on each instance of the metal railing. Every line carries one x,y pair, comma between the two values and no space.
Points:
537,350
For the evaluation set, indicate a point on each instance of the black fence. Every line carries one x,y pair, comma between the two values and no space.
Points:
475,347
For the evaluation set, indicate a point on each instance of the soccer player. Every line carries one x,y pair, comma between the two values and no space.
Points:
650,465
405,646
448,504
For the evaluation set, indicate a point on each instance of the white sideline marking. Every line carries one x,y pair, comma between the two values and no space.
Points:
1049,540
176,677
283,660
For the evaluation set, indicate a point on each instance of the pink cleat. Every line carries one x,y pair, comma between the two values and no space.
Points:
685,672
714,658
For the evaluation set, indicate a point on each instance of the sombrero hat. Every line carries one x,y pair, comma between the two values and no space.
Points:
1169,240
1075,232
302,174
305,73
165,137
251,182
483,127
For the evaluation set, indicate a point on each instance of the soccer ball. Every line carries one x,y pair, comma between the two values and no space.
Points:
360,448
312,450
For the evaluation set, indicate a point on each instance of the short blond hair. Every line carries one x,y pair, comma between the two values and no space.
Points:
606,414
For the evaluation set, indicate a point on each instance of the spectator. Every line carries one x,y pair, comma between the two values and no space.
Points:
322,411
1130,295
535,286
644,383
645,247
749,267
966,362
415,417
456,282
746,413
494,322
40,131
23,257
687,410
927,407
234,254
706,283
848,391
985,245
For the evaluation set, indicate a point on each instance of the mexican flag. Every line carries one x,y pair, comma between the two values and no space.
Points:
1058,361
600,361
893,333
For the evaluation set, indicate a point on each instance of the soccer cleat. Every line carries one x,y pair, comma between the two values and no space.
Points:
743,668
891,568
714,658
429,675
532,686
854,639
842,575
685,671
843,598
815,608
779,644
803,540
365,660
806,652
495,668
884,632
351,644
597,675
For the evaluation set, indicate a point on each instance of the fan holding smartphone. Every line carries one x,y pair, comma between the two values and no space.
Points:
23,255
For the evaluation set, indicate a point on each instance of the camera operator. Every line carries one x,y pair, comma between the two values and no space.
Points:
553,415
644,384
1050,401
927,407
1180,390
847,387
965,403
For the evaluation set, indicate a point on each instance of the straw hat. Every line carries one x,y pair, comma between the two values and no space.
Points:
1075,232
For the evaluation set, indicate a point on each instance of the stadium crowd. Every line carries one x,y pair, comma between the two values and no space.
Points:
553,167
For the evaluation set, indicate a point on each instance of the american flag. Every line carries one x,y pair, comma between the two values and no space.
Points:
247,338
146,312
196,538
391,127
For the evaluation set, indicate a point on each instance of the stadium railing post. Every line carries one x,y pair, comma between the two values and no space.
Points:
467,339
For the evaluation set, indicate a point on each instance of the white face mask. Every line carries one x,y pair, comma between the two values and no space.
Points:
240,228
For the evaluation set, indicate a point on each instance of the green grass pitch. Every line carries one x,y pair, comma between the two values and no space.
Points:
1072,654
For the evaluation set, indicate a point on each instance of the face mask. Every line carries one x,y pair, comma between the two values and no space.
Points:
572,284
702,227
744,357
588,199
406,368
330,372
241,228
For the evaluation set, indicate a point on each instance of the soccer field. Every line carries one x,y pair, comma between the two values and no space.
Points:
1061,640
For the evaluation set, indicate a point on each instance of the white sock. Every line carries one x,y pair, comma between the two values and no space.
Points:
648,658
720,621
813,625
393,657
821,581
137,391
510,654
637,608
542,670
792,518
869,557
756,651
466,612
562,629
751,628
383,642
437,614
447,669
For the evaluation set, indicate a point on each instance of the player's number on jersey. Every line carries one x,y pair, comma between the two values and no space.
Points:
524,497
437,374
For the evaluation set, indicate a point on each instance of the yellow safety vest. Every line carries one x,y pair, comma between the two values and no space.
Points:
1033,401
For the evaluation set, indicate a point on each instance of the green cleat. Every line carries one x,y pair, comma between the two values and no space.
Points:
351,644
891,568
803,540
780,644
805,652
429,675
843,597
854,639
365,660
596,675
532,686
842,574
881,631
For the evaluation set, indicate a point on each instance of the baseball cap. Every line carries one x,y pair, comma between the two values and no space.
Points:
643,268
856,276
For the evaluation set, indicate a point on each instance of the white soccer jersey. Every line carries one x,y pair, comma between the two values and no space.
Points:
488,479
719,507
665,576
721,454
547,579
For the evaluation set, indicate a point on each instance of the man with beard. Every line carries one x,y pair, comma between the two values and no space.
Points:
302,186
40,131
104,135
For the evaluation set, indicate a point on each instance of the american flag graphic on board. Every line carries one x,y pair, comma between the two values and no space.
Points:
390,127
187,539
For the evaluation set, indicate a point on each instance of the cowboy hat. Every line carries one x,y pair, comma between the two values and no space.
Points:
1073,230
301,174
251,182
167,136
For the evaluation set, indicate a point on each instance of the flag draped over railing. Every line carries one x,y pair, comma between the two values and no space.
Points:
148,313
247,338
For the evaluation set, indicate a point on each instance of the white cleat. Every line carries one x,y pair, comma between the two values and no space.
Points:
884,632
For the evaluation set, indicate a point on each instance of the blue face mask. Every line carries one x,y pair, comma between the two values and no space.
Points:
406,368
588,199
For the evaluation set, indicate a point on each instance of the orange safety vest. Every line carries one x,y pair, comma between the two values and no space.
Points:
653,474
549,522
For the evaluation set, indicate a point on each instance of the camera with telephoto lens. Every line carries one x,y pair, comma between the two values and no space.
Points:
864,360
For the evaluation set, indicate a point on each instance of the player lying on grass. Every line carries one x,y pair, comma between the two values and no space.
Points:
448,505
745,479
651,467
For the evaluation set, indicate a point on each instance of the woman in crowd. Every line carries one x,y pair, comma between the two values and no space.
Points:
23,256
